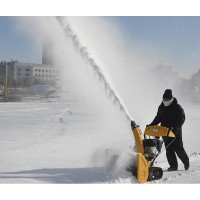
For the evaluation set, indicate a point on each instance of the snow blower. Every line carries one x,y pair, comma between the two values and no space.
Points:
148,149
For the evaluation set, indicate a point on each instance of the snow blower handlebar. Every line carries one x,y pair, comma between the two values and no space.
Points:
158,131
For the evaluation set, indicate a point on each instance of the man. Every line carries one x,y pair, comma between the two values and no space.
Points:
171,115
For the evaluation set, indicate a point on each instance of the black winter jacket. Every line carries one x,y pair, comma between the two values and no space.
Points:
170,116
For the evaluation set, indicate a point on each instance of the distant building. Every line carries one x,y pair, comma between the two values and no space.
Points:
192,87
27,74
188,89
47,52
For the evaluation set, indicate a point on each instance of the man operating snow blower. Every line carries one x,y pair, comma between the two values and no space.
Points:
171,115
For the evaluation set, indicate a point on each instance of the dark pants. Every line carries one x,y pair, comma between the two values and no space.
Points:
176,147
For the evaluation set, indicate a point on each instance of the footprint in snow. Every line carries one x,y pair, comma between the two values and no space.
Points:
167,179
180,174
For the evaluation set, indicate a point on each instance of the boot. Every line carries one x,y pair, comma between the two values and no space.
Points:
170,169
187,166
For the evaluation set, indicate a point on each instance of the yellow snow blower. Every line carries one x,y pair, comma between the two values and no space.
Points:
147,150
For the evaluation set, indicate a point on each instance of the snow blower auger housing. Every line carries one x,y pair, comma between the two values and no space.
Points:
147,150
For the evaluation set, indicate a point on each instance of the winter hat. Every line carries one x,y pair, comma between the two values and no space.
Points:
168,94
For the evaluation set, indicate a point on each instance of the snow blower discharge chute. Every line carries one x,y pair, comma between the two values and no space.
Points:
148,149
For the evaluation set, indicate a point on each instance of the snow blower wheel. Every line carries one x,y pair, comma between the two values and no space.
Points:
155,173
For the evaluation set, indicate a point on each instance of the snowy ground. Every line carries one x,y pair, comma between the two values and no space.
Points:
65,142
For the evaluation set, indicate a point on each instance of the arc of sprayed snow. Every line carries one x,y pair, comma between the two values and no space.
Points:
85,55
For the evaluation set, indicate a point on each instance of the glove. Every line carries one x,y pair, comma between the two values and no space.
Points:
174,129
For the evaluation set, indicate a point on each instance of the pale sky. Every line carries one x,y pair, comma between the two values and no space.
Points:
178,38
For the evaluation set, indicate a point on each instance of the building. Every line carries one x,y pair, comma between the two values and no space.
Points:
47,54
27,74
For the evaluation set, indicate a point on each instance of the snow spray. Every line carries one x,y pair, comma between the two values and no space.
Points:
95,67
